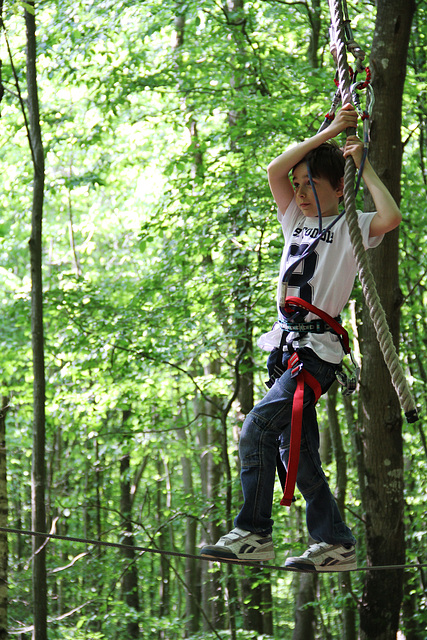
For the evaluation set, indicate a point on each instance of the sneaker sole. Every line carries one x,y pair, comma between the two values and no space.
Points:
218,554
304,567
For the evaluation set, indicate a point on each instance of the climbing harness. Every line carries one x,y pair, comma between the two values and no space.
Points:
303,377
290,326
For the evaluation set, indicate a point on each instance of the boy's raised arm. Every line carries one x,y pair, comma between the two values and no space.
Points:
278,170
387,215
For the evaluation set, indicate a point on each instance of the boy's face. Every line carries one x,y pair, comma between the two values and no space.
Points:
328,196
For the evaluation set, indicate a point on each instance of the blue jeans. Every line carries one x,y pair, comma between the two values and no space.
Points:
265,430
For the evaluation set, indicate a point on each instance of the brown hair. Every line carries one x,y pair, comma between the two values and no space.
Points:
326,161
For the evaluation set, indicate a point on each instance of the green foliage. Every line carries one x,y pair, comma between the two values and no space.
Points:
160,259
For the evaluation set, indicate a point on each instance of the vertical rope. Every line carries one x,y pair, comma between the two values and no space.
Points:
366,278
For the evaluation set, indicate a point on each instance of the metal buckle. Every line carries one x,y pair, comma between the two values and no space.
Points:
320,326
315,326
295,371
349,382
295,365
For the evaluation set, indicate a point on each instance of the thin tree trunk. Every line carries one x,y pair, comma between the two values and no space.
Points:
214,589
3,520
314,16
192,566
210,574
98,489
193,570
256,595
165,569
130,574
348,609
381,414
305,616
3,483
37,337
338,447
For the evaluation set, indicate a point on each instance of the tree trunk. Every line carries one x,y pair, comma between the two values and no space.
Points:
381,415
192,566
211,598
305,616
256,607
164,573
3,520
338,447
3,482
314,16
213,601
37,338
196,573
130,574
348,608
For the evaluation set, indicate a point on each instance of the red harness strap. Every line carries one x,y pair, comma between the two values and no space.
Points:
303,377
292,303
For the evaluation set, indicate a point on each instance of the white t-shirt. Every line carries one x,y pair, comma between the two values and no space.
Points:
325,278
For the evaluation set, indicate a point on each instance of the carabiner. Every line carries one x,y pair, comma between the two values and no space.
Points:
370,98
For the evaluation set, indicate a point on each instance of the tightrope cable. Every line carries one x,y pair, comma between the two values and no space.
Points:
138,548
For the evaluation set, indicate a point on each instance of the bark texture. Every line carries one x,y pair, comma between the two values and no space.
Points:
381,414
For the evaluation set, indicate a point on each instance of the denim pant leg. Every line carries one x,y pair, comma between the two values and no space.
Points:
324,521
258,448
264,425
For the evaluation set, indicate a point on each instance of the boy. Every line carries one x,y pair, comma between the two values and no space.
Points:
324,279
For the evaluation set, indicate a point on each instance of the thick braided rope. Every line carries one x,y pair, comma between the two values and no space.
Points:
366,278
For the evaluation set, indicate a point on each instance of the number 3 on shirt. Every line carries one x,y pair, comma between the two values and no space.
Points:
304,272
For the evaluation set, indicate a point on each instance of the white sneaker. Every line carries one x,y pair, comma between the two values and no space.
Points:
242,546
324,557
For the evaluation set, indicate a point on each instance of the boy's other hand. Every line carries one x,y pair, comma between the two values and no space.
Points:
345,118
354,147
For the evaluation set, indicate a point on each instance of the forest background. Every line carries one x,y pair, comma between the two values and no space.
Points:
159,265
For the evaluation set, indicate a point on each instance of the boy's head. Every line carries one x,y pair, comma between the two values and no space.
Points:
327,168
326,161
